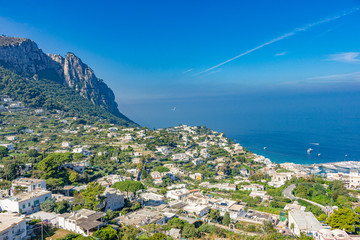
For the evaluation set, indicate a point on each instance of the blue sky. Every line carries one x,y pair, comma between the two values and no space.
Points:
153,50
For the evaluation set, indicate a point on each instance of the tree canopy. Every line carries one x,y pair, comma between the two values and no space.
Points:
128,186
344,218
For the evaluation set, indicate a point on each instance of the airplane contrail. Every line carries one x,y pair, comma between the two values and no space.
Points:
286,35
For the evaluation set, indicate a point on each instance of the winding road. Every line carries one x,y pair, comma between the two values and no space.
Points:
287,192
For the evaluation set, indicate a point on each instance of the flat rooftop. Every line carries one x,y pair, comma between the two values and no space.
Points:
27,181
306,220
28,195
8,220
140,217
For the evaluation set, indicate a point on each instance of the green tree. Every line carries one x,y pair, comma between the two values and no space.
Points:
176,223
301,191
189,231
111,214
62,207
54,183
12,169
48,206
49,166
158,236
144,174
322,217
344,218
32,153
128,186
357,210
162,169
304,236
92,194
3,151
73,177
226,219
106,233
128,233
214,215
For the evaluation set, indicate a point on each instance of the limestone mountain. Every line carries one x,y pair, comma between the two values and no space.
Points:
24,58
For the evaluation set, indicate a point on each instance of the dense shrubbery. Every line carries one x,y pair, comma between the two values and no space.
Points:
52,95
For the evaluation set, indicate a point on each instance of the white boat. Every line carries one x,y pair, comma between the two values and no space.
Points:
319,154
316,144
309,150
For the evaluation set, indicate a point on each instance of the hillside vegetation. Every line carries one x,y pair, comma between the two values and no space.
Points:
51,95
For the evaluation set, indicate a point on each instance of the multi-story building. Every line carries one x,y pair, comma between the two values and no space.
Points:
25,202
12,226
28,185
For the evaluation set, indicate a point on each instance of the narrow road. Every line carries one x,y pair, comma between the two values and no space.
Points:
288,193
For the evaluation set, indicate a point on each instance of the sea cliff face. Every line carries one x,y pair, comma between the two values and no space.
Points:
24,57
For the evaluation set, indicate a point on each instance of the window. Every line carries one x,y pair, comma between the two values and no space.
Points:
46,198
39,185
23,206
28,204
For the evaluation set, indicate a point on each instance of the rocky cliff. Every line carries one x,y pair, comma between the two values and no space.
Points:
23,57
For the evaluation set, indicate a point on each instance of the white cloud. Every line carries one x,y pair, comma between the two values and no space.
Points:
280,54
189,70
282,37
346,57
355,76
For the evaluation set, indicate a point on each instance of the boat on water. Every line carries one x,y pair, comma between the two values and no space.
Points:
265,148
309,150
316,144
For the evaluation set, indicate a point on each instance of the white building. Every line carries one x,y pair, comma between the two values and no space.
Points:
279,179
2,108
26,202
163,150
176,186
113,199
83,221
180,157
196,176
9,146
178,194
11,138
327,234
197,161
82,151
38,111
306,222
12,226
200,210
354,182
28,184
253,187
66,144
151,196
15,105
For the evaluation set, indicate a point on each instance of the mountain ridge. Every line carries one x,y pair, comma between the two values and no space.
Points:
23,57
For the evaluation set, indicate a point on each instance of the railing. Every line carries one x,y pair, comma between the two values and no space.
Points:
19,232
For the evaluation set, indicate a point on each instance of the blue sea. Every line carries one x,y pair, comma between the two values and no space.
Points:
287,124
